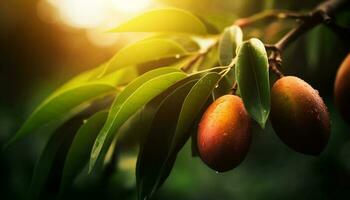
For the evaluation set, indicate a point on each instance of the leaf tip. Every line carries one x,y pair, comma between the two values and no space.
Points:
255,42
91,165
263,120
262,124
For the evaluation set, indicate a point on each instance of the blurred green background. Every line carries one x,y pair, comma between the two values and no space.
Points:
40,48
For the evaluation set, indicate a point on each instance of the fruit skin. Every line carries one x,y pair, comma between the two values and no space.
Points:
224,134
299,116
342,89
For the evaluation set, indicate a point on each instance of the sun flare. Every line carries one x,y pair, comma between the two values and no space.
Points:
96,13
130,6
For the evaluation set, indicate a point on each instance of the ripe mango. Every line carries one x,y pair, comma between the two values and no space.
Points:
299,115
342,89
224,133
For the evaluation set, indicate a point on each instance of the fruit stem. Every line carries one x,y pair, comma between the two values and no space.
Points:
234,88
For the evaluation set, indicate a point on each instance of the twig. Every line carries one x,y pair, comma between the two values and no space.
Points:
234,88
271,14
192,61
321,14
271,47
200,55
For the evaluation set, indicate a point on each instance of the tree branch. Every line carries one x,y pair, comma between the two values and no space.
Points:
270,14
321,14
200,55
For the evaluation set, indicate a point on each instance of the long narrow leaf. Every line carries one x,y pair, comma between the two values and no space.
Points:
57,105
252,73
164,20
169,133
79,152
192,106
153,151
144,51
53,148
230,39
134,97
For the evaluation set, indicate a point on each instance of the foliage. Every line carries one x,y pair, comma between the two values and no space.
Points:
161,85
252,74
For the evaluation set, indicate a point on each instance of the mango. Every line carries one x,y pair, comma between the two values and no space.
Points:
299,116
224,133
342,89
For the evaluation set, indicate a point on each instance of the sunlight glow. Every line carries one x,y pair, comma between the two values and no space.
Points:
128,6
96,16
81,13
96,13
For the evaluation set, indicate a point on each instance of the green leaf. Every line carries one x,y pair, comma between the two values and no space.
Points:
194,129
79,152
147,114
188,42
210,60
230,39
96,74
66,99
194,146
144,51
154,152
175,62
134,129
151,108
164,20
225,85
43,167
219,20
142,121
80,78
132,98
130,133
192,106
252,73
55,149
169,133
